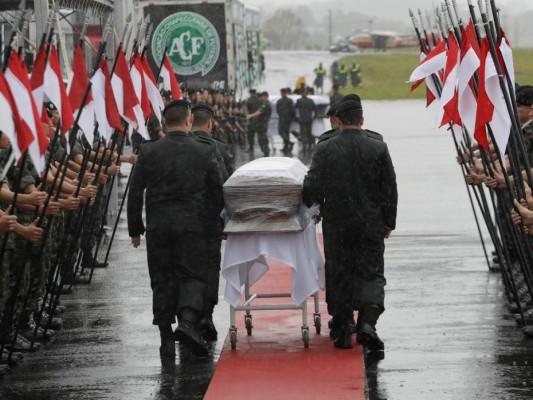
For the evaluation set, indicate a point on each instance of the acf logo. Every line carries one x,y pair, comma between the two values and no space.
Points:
193,43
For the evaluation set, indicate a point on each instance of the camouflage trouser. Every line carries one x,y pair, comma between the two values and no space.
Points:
41,262
91,224
70,249
4,279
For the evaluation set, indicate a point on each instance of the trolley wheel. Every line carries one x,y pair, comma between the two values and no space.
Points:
233,338
305,337
248,324
318,323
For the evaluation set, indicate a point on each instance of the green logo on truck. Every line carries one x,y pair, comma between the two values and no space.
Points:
193,43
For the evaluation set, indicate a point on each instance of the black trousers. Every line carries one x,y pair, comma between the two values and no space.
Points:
284,128
306,132
178,272
354,270
213,259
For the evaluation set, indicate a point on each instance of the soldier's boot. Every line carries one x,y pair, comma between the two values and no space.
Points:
13,360
168,347
90,262
4,369
29,330
20,345
207,327
366,330
343,337
187,333
56,323
528,331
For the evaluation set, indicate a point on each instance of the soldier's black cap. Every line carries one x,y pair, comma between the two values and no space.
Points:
524,96
252,91
263,94
332,111
351,105
351,97
203,107
166,94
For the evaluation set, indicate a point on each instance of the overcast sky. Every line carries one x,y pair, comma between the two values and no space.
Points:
391,8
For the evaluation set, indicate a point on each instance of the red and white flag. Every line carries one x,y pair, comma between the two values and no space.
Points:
169,79
469,65
31,128
151,88
37,77
507,56
137,77
128,104
432,64
431,89
449,98
105,104
76,91
55,89
501,121
10,121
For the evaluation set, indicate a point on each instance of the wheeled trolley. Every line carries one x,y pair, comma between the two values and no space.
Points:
248,307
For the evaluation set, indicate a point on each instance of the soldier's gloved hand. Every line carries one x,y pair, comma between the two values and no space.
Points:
32,232
136,241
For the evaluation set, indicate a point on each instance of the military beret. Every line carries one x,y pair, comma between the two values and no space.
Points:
50,106
263,94
203,107
350,105
252,91
524,96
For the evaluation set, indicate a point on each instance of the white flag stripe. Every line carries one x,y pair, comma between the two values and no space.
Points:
23,101
7,125
467,103
431,66
501,121
98,88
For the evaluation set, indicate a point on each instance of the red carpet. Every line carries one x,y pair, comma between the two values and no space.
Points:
273,363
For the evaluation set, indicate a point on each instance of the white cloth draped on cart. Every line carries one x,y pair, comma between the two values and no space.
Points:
247,252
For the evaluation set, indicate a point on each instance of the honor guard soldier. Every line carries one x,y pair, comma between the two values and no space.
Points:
356,219
178,173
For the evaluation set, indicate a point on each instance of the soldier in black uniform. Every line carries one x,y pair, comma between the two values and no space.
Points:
285,110
356,219
261,118
306,113
178,173
201,129
252,105
335,96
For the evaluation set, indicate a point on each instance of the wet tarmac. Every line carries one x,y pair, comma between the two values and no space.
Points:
446,327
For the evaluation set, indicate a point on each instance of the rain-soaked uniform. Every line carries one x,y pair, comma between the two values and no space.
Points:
353,180
177,172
